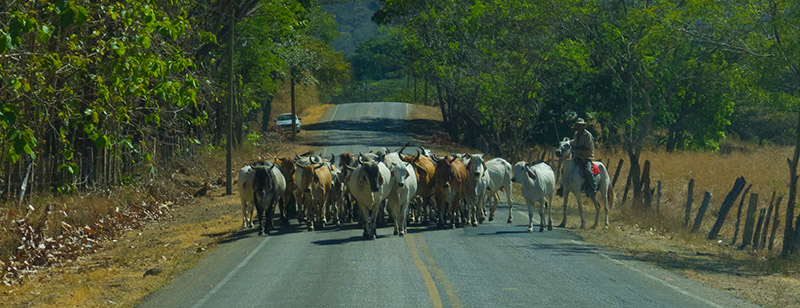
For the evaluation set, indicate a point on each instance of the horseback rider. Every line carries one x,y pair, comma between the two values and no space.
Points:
583,154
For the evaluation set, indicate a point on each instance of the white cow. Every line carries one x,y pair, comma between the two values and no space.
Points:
475,191
404,179
499,171
246,193
369,185
538,184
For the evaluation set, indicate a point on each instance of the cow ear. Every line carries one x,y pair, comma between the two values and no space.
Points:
531,175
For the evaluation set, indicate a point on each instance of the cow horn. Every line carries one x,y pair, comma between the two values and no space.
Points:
297,157
403,148
348,167
333,159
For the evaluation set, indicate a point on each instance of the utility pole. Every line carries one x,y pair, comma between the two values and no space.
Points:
229,142
294,113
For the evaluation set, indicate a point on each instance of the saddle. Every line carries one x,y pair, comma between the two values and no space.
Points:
595,169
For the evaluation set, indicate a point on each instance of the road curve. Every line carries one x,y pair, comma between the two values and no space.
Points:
492,265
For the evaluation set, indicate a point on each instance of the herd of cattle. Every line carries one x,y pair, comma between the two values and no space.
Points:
449,190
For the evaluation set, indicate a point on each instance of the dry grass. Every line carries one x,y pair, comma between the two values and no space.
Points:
114,276
764,168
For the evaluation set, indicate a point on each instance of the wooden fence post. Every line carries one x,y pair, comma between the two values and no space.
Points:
616,173
698,220
689,200
775,221
648,194
627,186
726,206
739,215
658,197
763,241
757,235
750,220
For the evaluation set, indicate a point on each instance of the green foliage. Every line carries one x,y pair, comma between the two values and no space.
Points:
114,85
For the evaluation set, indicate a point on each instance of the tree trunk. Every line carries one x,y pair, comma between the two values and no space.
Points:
788,234
266,110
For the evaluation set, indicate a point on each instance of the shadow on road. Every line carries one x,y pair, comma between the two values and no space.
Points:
360,132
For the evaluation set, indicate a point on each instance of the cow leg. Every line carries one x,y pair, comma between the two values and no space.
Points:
542,218
549,214
510,211
270,212
244,214
260,212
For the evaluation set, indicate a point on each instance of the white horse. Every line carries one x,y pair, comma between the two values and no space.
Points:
572,181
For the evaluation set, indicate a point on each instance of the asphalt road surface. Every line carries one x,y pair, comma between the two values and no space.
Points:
493,265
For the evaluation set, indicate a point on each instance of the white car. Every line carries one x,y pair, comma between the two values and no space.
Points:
285,121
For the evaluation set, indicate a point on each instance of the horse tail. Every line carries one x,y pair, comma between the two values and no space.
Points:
611,197
610,192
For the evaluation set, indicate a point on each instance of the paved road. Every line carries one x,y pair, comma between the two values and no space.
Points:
492,265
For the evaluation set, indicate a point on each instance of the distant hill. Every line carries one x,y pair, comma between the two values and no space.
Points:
355,22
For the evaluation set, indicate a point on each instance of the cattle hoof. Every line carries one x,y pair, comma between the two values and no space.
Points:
541,229
550,227
491,218
530,229
402,234
395,232
259,232
563,224
508,221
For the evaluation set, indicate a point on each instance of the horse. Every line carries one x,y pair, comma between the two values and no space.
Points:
572,181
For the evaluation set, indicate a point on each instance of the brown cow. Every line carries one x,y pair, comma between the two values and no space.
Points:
289,199
350,210
315,185
424,168
449,178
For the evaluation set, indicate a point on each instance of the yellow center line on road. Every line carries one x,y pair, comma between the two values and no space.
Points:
433,293
439,273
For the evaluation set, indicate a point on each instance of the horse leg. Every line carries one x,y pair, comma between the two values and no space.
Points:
606,205
596,211
563,223
580,209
